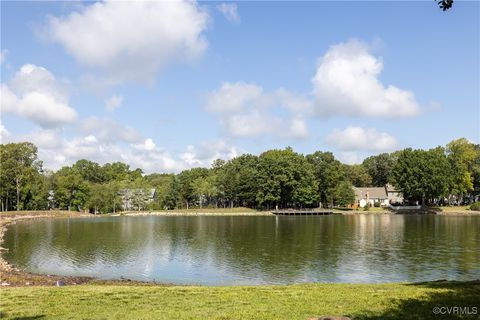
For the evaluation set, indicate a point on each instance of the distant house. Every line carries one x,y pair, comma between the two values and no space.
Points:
370,195
384,195
394,196
137,199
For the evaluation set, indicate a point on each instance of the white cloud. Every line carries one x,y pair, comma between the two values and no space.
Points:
229,11
4,133
45,138
56,150
109,131
35,94
298,128
346,83
3,55
91,138
132,40
246,110
113,102
147,145
350,157
153,160
360,139
207,152
234,97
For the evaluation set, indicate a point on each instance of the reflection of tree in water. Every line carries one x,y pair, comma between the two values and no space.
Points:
359,248
441,247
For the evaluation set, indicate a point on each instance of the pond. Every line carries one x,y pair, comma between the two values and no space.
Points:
225,250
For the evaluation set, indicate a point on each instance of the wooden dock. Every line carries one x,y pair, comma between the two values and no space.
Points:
302,212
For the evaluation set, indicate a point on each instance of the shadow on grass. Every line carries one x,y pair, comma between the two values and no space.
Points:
457,300
3,315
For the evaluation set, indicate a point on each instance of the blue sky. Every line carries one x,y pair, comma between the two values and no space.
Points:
170,85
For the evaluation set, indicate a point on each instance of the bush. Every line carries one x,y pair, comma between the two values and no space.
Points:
475,206
376,204
367,207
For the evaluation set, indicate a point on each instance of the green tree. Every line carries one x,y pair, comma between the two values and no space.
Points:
204,188
119,171
186,187
462,156
329,174
476,173
70,190
20,168
379,167
237,181
161,182
357,175
343,194
172,194
285,179
90,171
422,175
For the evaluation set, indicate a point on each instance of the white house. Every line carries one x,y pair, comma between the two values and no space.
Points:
371,195
384,195
137,199
394,195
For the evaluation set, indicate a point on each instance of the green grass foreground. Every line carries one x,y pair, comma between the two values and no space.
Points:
358,301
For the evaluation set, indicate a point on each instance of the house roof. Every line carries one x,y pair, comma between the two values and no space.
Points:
151,192
372,192
391,188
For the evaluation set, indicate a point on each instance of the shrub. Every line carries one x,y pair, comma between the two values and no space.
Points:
367,207
376,204
475,206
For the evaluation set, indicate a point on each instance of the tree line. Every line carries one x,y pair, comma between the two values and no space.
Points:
273,179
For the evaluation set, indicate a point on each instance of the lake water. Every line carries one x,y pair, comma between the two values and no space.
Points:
251,250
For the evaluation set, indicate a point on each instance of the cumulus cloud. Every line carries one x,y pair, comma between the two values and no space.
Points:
147,145
229,11
132,40
113,102
246,110
57,149
207,152
357,138
109,131
34,93
346,83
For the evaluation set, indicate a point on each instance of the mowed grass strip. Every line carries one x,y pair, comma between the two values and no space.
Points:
360,301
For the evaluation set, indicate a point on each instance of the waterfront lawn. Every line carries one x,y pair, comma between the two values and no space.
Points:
359,301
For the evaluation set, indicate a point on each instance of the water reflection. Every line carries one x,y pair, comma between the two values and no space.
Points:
252,250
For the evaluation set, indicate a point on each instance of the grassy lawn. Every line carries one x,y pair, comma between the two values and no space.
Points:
360,301
454,208
52,213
